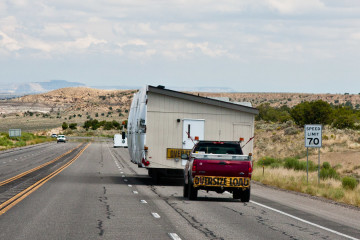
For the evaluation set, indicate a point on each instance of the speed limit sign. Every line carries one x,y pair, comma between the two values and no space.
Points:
313,135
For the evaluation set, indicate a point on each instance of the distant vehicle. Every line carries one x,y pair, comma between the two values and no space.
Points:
54,135
61,138
120,140
218,166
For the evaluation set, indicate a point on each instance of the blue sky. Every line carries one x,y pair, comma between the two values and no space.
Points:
250,46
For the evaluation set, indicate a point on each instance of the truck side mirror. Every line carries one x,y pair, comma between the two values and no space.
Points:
184,156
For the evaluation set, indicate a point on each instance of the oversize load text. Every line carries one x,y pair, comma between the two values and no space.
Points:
176,152
221,181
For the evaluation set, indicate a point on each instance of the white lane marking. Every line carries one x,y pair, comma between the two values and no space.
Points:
121,172
174,236
130,185
304,221
143,201
135,192
123,176
4,162
155,215
125,180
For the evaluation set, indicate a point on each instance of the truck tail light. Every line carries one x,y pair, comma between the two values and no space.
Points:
194,167
250,169
145,162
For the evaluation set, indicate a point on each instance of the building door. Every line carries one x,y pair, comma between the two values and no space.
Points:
244,130
192,128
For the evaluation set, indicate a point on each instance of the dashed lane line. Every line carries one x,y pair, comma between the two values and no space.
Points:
155,215
174,236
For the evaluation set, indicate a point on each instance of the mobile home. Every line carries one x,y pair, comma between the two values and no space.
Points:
163,124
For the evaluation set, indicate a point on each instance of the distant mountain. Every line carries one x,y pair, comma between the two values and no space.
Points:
37,87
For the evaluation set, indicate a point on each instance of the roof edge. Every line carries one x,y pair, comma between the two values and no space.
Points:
162,90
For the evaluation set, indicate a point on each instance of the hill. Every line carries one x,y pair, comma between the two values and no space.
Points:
77,104
289,99
73,105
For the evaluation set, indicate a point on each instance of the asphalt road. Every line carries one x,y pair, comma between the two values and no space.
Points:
102,195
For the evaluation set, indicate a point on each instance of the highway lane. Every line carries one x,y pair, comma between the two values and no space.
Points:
104,196
15,161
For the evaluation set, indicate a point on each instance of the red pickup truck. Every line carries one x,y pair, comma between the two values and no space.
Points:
218,166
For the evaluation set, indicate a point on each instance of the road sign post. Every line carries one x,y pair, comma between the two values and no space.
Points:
313,139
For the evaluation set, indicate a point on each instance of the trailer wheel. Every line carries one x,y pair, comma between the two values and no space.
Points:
237,194
192,192
186,189
245,195
155,176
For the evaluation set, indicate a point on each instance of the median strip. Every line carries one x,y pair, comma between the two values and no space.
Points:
4,207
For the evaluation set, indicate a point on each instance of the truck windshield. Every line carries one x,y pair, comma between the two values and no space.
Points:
218,148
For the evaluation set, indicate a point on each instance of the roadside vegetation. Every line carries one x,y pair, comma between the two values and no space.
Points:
280,154
26,139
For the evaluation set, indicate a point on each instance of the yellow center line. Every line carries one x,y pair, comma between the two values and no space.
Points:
20,196
36,168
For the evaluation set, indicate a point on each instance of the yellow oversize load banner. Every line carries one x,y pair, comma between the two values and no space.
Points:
212,181
172,153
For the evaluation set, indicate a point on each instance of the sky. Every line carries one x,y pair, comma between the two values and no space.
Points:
308,46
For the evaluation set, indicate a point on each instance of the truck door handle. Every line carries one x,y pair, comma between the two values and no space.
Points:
222,163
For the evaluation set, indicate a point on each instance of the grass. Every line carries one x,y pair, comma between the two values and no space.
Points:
295,180
26,139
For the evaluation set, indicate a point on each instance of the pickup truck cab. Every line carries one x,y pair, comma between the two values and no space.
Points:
218,166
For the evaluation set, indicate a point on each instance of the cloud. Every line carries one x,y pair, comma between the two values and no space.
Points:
8,43
295,6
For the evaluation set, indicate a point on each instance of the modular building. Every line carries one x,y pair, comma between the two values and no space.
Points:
163,124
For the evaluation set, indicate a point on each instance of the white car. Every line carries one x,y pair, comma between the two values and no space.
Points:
61,138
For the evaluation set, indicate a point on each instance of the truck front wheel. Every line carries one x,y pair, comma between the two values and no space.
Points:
192,192
245,195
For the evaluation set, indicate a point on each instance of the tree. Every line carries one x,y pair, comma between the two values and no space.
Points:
344,118
72,126
316,112
65,126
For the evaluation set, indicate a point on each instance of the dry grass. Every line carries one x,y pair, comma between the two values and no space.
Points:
297,181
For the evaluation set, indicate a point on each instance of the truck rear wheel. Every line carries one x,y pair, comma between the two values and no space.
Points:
237,194
186,190
192,192
245,195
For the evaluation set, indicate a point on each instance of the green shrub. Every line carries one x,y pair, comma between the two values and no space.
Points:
349,183
329,173
267,161
291,163
5,142
326,165
20,144
275,165
337,193
296,164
